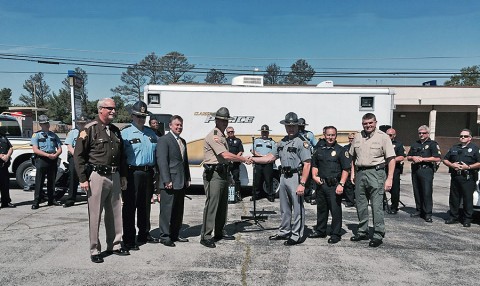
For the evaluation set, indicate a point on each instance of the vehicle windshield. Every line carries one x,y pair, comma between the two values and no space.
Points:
10,127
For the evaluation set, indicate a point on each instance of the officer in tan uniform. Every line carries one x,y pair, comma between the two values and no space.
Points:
215,180
371,152
101,170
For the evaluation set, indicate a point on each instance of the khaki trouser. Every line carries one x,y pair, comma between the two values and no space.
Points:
216,205
105,193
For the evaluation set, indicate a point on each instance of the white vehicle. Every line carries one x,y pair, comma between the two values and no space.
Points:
251,105
21,166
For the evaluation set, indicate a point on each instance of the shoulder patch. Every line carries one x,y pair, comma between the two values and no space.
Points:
306,145
83,134
347,154
126,126
215,132
34,135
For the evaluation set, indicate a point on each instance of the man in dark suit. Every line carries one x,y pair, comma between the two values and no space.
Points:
172,160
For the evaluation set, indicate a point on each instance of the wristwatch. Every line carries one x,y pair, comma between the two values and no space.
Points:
302,183
342,184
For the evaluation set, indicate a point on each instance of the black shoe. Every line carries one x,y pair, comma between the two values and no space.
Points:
278,237
349,205
290,242
151,239
167,242
359,237
467,224
428,219
416,215
133,247
9,205
224,237
35,207
208,243
120,252
313,202
375,242
181,239
394,212
451,221
308,200
334,239
317,234
68,204
54,203
271,199
97,258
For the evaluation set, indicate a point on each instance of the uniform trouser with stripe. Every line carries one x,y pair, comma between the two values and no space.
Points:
104,193
293,223
369,185
263,173
461,188
137,197
328,200
216,205
171,213
45,167
395,191
422,183
72,181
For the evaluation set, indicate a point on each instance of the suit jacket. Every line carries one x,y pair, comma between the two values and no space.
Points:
172,167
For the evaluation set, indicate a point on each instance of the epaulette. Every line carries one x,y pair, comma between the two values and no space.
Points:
126,126
301,137
215,132
90,124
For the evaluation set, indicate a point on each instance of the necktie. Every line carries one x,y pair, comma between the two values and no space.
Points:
180,144
107,129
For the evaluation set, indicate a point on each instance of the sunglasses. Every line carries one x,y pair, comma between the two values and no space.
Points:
230,131
109,107
464,136
391,135
422,133
140,116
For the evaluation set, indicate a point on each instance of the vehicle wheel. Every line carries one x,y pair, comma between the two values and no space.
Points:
22,173
275,185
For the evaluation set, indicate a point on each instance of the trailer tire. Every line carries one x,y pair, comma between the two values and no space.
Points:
22,170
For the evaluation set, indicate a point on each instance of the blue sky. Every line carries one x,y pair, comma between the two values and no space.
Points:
331,35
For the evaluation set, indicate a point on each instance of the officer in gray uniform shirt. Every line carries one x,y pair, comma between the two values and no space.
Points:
294,153
264,172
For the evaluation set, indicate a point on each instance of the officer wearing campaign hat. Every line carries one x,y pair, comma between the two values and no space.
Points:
263,172
140,145
215,180
47,147
294,154
70,141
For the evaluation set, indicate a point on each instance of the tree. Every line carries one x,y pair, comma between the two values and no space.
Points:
152,68
215,77
59,107
122,110
36,84
469,76
273,75
301,73
174,68
134,78
5,99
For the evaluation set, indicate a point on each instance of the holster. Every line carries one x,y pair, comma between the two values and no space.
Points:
209,169
331,181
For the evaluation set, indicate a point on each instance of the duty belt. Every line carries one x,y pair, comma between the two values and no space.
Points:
424,166
104,169
377,167
140,168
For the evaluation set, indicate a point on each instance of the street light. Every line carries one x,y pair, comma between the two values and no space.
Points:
35,99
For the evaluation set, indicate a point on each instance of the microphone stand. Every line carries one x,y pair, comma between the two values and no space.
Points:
254,217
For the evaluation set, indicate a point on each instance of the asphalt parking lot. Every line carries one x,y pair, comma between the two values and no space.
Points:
49,246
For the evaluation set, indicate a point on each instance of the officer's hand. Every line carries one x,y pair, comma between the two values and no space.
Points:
169,186
352,178
417,159
249,161
4,157
123,183
463,166
388,184
339,190
84,186
300,190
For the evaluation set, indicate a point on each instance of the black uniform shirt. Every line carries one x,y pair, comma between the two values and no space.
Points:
469,154
5,144
330,160
234,145
429,148
94,146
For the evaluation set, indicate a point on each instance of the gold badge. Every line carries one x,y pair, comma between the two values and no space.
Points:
142,109
426,147
469,150
34,135
83,134
347,155
305,144
333,153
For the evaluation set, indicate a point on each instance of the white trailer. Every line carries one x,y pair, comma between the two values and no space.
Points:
252,106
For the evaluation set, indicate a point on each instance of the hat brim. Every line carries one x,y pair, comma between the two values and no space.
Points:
288,123
220,117
264,130
141,113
